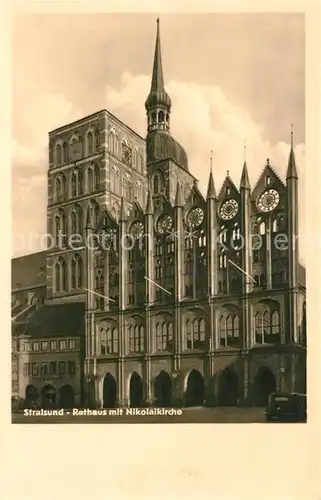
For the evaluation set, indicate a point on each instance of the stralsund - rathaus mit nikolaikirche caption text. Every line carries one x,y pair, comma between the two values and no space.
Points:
181,300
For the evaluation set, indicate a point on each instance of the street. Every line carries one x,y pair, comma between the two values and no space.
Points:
189,415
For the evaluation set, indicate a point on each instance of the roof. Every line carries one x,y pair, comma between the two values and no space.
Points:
84,119
162,146
54,320
28,270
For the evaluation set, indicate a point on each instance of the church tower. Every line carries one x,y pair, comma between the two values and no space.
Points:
166,158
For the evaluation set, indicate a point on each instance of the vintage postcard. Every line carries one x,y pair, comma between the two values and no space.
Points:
162,221
158,188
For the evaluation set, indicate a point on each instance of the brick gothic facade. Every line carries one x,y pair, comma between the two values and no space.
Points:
189,300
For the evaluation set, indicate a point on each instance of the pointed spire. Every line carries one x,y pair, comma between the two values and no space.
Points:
89,219
245,181
157,78
122,215
149,205
157,95
211,194
292,172
178,197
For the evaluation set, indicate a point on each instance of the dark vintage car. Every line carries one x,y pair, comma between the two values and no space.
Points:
286,407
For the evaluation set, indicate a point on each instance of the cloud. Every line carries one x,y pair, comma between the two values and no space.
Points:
203,119
29,153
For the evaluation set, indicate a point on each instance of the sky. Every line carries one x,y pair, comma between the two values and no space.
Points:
231,78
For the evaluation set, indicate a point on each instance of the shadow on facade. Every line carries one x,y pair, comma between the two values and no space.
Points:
163,389
135,391
228,388
195,389
66,397
109,391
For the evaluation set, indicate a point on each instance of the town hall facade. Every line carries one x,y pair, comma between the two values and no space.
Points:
185,299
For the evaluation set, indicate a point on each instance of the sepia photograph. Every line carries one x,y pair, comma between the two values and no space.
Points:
158,270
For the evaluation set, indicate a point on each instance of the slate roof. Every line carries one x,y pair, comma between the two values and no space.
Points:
54,321
28,270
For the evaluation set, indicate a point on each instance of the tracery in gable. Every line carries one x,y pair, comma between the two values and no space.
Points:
195,266
108,256
164,244
136,258
230,241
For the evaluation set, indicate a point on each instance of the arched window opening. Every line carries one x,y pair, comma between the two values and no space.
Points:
90,143
58,155
58,189
229,326
74,184
195,333
65,150
97,141
267,327
90,180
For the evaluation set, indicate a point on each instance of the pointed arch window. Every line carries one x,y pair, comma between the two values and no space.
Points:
64,187
65,152
76,272
90,180
74,184
222,260
97,141
195,333
58,159
275,225
134,158
76,220
136,338
109,340
164,336
58,189
60,228
90,143
60,275
116,211
229,327
267,327
262,228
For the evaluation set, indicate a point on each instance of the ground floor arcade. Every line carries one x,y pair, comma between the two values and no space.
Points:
225,381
